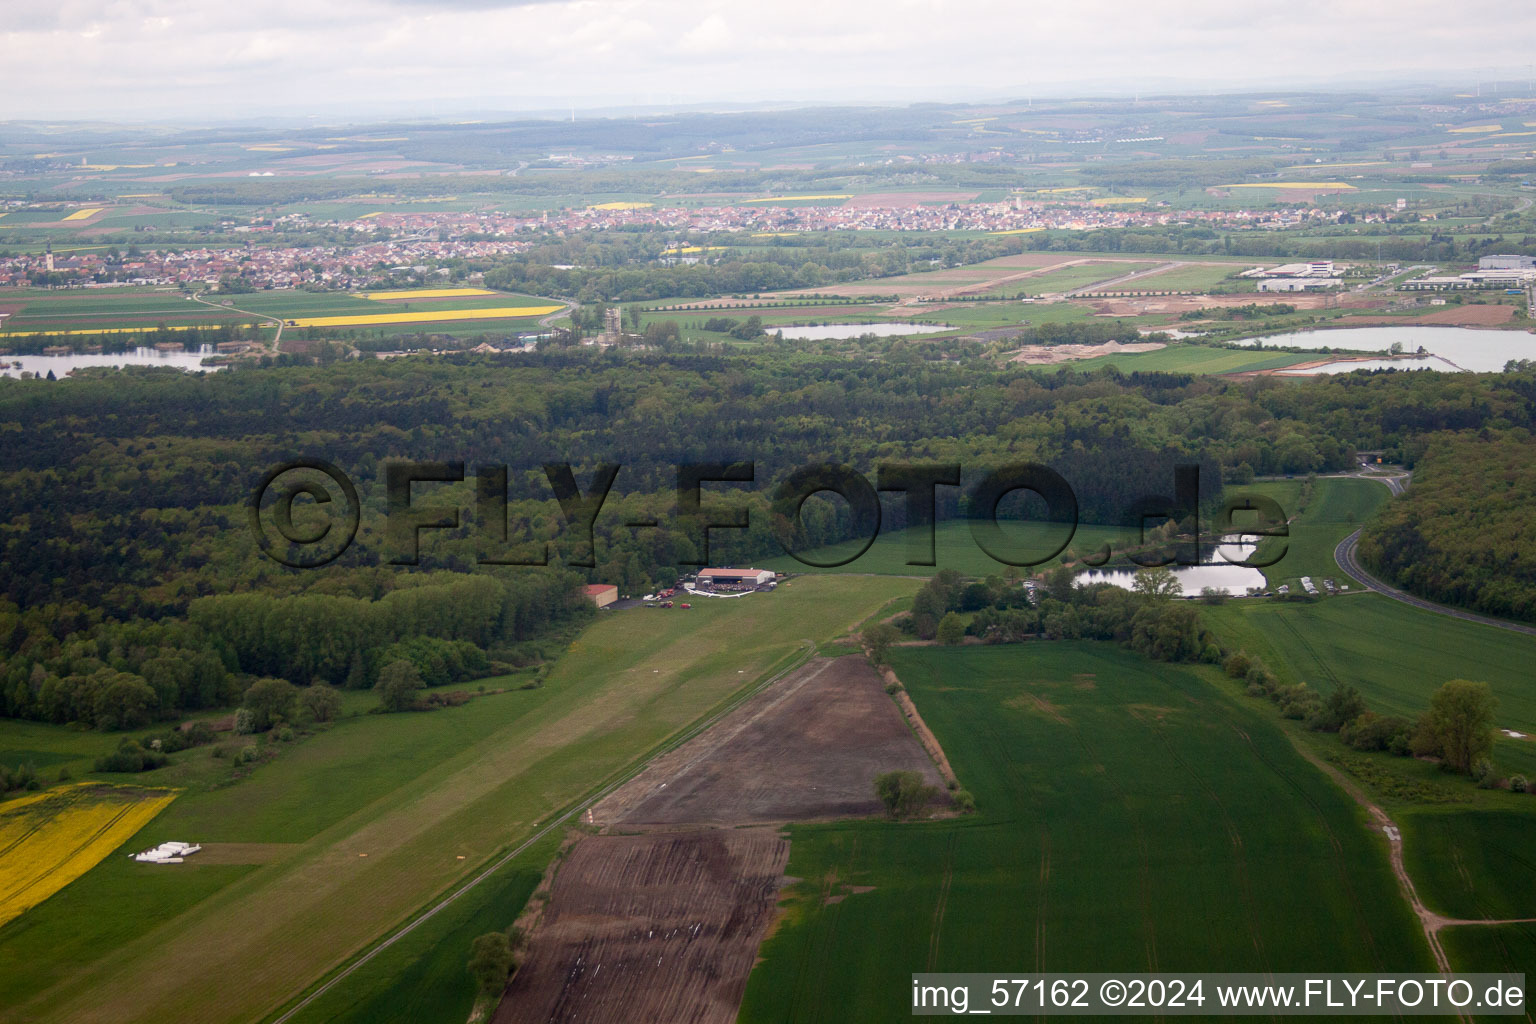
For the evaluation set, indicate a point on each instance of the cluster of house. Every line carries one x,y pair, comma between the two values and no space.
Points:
889,212
331,266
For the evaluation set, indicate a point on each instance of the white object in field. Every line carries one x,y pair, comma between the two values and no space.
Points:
168,853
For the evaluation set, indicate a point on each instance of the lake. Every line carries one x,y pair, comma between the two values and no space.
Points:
62,365
841,332
1457,348
1215,571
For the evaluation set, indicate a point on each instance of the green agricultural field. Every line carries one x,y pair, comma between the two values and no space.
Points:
1130,818
1191,278
411,792
1395,654
86,311
1473,864
1192,358
139,308
1071,278
1503,948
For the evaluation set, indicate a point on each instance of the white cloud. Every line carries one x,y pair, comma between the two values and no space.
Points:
167,58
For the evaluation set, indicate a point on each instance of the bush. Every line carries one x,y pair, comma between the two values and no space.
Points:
491,962
951,629
247,755
1237,666
964,802
1481,771
129,757
893,688
1370,731
904,794
322,702
245,721
23,777
1518,784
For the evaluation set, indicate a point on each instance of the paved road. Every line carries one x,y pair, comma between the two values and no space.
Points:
1344,554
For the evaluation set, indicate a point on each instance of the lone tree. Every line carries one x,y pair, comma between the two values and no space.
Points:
1158,583
878,638
399,682
904,794
1459,723
491,960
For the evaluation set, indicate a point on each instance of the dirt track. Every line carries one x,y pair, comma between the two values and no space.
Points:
807,748
657,927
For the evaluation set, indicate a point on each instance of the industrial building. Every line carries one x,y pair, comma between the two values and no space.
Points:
1316,268
602,594
1507,263
1299,284
737,577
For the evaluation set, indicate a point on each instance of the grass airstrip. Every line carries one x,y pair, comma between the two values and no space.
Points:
414,793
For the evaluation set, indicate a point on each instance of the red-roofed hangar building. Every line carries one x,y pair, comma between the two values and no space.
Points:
750,577
602,594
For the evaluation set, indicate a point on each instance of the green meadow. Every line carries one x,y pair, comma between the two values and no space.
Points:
1395,654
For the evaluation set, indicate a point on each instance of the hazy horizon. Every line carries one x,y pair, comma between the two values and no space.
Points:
168,60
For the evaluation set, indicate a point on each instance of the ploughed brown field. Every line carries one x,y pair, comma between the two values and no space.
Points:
656,927
807,747
663,924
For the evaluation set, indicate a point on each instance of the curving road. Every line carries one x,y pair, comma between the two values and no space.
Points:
1344,554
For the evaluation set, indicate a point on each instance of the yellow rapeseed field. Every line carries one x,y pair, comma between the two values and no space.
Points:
426,293
1016,231
430,316
88,212
1116,200
114,330
49,839
1476,129
621,206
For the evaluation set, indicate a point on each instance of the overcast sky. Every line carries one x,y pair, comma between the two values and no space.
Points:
152,59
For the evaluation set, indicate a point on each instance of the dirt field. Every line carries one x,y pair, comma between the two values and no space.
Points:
808,747
1462,316
658,927
664,925
1047,355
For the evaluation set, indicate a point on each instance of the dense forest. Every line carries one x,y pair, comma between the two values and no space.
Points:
1463,534
134,581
